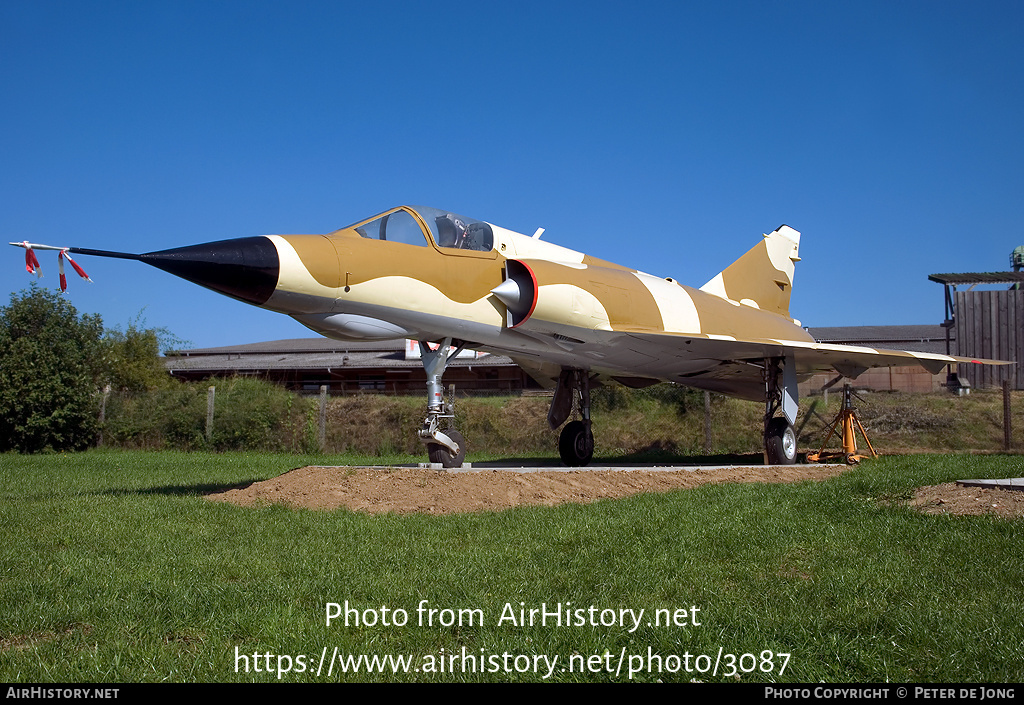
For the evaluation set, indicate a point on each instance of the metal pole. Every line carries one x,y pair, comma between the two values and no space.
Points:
103,412
1006,414
322,436
209,412
707,423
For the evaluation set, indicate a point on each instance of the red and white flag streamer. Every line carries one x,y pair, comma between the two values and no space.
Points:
60,261
31,263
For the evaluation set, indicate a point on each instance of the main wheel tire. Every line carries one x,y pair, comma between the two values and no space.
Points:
780,442
440,454
576,444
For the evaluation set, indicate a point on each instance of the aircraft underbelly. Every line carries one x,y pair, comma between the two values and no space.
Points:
609,354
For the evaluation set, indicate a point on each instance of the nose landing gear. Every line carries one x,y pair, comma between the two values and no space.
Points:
446,447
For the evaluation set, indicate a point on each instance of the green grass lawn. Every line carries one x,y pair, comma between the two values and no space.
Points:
114,568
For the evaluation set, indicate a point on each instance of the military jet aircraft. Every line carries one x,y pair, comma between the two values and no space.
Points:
570,320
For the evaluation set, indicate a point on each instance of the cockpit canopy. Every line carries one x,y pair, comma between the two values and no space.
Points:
447,229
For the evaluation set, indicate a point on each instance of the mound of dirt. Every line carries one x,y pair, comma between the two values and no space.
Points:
407,490
951,498
410,490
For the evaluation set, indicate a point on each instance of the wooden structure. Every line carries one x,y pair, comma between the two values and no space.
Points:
986,324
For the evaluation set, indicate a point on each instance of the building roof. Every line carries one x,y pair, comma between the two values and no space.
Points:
916,338
978,278
308,354
293,345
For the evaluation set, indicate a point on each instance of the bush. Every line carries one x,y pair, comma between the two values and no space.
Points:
48,373
131,358
255,414
249,414
167,418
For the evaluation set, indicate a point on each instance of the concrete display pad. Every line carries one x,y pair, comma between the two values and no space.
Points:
1011,483
624,467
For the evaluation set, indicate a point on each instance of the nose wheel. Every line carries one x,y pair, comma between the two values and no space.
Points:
443,455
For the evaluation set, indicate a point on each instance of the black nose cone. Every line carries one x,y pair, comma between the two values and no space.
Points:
245,269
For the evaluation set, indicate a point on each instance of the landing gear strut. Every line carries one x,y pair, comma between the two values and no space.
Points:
576,442
779,436
446,447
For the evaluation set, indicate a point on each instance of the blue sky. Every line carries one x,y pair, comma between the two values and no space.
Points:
663,136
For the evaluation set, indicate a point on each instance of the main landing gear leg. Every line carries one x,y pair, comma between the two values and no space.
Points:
779,436
576,442
446,447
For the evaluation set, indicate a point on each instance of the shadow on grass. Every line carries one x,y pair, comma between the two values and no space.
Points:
197,490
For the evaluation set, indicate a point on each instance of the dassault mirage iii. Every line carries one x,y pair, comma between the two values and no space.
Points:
570,320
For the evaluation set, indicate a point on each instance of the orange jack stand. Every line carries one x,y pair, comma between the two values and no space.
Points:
847,417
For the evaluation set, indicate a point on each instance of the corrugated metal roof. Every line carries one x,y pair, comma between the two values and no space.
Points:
828,334
978,278
309,354
294,345
916,338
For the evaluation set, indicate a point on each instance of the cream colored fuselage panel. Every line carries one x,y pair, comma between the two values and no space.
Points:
678,312
297,291
406,293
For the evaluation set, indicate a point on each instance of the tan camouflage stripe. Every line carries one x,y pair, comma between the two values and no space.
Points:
627,303
727,318
345,258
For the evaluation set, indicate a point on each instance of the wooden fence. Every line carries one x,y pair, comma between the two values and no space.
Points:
988,325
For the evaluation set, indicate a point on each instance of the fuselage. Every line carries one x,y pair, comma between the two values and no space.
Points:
421,273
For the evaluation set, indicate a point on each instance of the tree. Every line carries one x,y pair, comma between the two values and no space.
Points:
49,373
131,358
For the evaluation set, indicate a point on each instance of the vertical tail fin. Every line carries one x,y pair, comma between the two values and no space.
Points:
763,277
